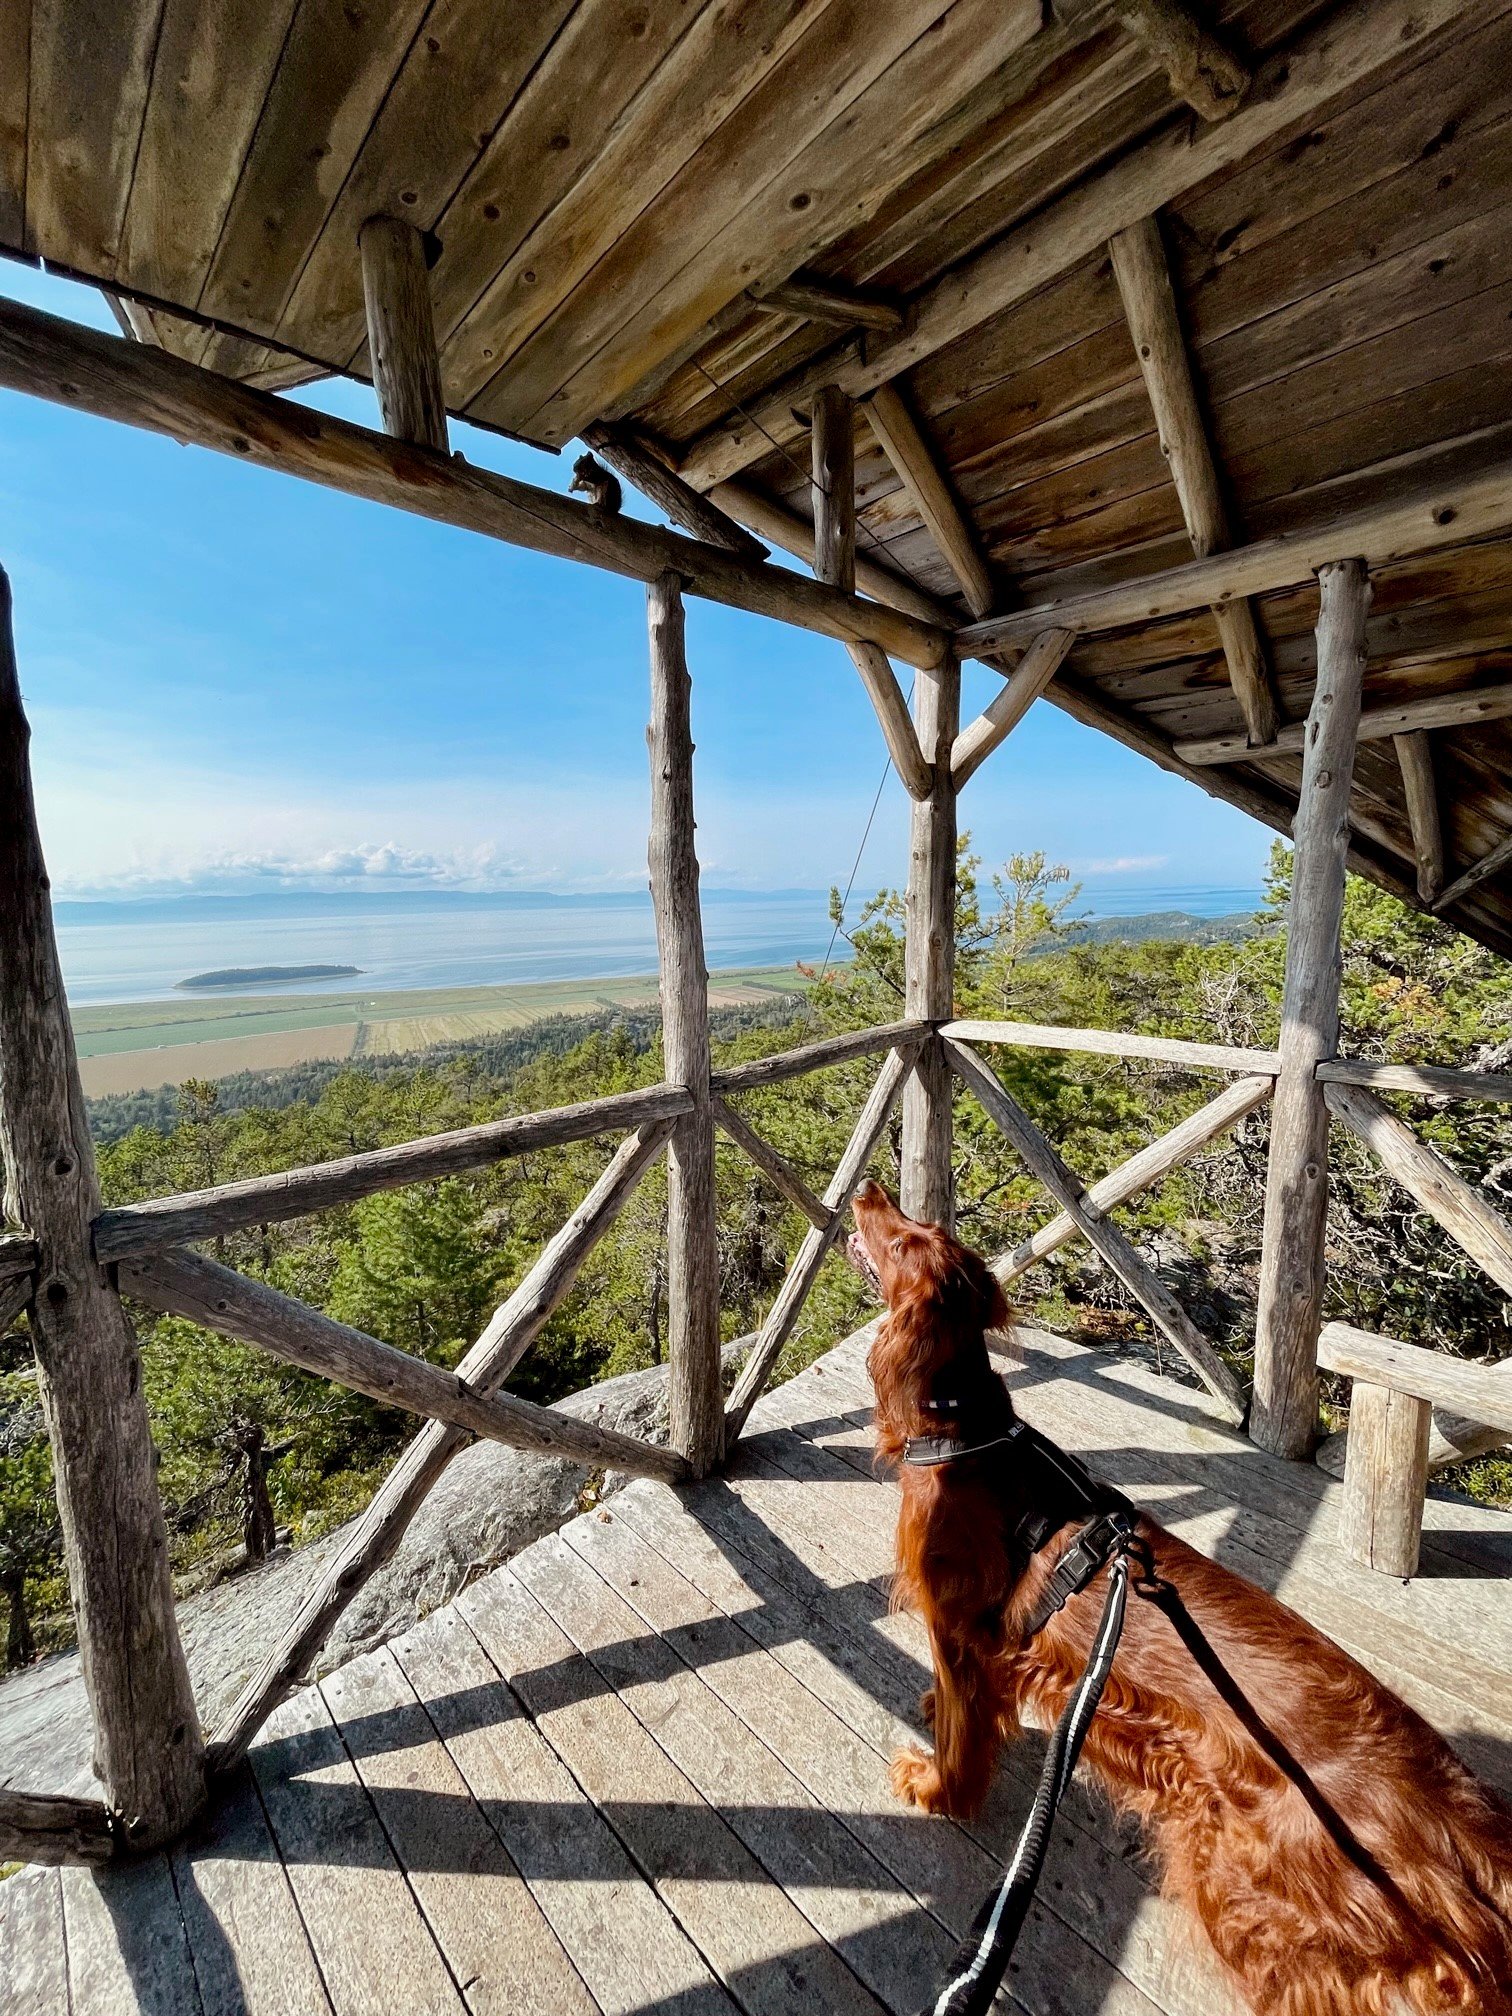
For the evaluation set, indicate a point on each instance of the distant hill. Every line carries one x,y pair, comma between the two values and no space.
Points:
262,976
1172,924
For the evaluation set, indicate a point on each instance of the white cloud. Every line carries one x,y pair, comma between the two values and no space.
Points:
1124,864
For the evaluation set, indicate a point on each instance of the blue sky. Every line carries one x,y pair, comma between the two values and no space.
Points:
234,677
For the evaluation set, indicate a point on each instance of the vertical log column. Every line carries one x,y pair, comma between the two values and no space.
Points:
402,350
695,1398
1284,1413
148,1752
929,956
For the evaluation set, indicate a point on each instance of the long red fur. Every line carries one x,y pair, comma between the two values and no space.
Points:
1424,1914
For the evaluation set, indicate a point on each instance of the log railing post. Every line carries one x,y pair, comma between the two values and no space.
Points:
148,1752
927,1190
695,1395
1284,1415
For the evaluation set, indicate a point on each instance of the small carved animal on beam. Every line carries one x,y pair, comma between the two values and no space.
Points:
1339,1856
594,481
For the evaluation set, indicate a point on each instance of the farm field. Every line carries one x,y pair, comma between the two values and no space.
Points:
137,1046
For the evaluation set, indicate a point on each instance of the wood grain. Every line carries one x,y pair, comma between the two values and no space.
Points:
1141,1171
695,1395
376,1534
402,353
1284,1417
185,1284
1385,1479
1002,714
925,1172
50,1828
1105,1238
1377,724
148,1754
1472,1390
1116,1043
1420,790
88,372
1442,1192
135,1229
810,1257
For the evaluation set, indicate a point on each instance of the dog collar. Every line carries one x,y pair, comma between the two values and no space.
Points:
929,1452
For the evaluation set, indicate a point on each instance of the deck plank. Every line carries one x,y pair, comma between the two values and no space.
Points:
719,1813
35,1977
127,1948
251,1953
644,1767
490,1929
625,1944
375,1952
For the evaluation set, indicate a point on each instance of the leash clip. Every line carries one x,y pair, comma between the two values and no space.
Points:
1089,1553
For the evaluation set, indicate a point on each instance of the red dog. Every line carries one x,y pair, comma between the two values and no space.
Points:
1335,1850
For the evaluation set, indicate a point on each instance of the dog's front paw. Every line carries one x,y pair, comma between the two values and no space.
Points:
916,1781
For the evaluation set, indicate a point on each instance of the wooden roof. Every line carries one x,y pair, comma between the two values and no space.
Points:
611,183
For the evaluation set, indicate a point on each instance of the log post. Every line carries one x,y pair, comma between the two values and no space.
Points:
1385,1478
402,350
833,448
695,1394
148,1753
1284,1416
927,1189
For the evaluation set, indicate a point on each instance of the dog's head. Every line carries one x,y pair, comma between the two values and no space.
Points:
911,1265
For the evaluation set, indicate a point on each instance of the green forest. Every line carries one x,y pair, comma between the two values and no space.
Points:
253,1454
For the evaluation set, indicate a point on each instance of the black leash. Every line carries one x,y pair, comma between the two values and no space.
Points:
981,1960
1064,1490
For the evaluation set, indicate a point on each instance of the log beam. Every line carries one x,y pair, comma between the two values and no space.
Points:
1203,69
402,353
1415,758
118,380
635,460
55,1830
1489,864
1001,716
1141,1172
374,1539
1149,301
1117,1043
776,1168
294,1193
1475,504
1407,717
823,301
795,535
1107,1240
695,1389
833,494
186,1284
927,1186
930,493
1424,1174
1284,1416
148,1755
1330,58
1480,1391
807,1057
1429,1081
817,1242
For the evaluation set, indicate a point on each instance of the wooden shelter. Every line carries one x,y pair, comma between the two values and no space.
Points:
1153,354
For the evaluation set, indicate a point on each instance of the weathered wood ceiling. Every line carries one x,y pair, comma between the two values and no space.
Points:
609,183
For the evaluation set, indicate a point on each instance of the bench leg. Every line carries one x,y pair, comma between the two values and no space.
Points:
1385,1478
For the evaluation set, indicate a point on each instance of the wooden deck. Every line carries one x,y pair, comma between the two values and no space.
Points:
643,1767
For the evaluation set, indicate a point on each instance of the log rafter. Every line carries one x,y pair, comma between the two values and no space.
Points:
115,379
929,490
1144,282
1404,718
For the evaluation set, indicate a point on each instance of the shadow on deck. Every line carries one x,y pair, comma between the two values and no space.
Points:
644,1766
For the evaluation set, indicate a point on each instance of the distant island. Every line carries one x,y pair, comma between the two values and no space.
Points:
260,976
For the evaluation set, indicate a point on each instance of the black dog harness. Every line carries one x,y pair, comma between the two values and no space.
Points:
1059,1488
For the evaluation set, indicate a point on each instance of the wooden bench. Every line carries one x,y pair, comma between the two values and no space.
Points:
1396,1388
